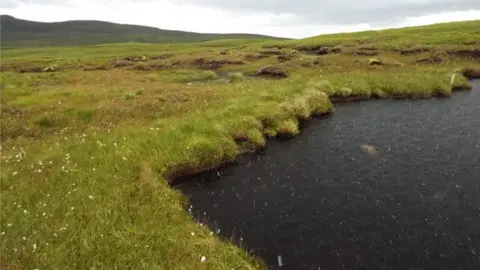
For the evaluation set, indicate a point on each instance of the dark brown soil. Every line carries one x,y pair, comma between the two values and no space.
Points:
315,49
467,53
430,60
413,51
214,64
366,53
273,72
471,73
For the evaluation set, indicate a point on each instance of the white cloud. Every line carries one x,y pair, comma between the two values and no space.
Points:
168,14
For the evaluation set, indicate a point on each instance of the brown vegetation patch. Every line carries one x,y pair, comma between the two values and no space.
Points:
468,53
122,63
375,62
434,59
336,50
471,73
93,68
214,64
135,58
413,50
366,53
314,49
255,57
273,72
272,51
368,48
285,58
29,69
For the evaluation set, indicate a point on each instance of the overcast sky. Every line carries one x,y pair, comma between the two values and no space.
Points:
286,18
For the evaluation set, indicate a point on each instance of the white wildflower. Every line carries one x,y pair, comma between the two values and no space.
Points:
203,259
24,238
192,233
14,173
90,197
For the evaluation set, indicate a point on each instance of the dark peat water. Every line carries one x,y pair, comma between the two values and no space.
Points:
377,185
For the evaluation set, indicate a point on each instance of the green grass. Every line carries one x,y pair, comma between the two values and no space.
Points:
87,156
236,76
443,34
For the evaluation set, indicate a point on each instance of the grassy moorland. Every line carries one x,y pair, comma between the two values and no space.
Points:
92,136
22,33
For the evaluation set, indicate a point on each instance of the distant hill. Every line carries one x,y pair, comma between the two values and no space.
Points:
22,33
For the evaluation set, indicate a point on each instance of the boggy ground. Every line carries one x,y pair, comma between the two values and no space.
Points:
92,136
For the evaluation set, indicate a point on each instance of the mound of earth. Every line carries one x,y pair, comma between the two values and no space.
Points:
273,72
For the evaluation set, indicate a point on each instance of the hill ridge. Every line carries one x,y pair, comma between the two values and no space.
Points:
25,33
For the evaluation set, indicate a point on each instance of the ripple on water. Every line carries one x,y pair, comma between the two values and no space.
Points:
378,185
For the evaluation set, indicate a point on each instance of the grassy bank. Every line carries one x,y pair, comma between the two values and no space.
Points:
87,154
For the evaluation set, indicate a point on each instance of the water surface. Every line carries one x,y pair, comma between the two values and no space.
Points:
321,201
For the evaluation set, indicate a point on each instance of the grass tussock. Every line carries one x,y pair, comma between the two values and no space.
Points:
460,82
236,77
